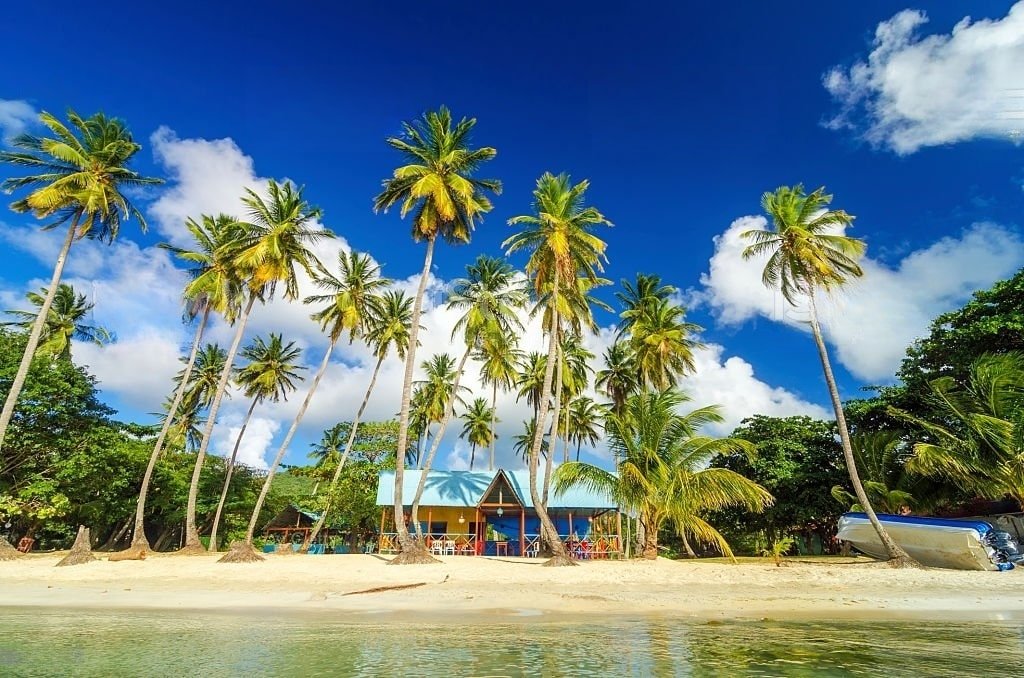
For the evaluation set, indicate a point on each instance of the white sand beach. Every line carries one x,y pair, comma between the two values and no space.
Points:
460,585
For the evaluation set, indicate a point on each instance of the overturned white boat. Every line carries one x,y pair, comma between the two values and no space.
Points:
934,542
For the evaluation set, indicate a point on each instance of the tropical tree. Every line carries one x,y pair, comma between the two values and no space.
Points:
271,374
619,378
522,443
499,358
327,451
491,297
66,321
438,187
280,233
81,180
563,251
662,469
662,348
477,427
351,298
214,287
978,430
807,255
387,327
638,299
585,422
880,457
530,379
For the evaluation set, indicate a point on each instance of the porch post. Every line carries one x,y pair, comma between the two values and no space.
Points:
476,548
380,536
618,531
522,532
430,516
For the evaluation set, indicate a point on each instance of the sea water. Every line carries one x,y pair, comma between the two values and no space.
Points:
36,642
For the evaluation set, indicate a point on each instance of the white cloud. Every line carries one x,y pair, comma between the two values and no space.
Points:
252,451
915,91
15,116
873,320
138,369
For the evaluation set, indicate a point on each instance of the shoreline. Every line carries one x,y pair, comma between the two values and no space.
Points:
513,589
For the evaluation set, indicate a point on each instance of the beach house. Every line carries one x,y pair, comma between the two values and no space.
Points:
491,513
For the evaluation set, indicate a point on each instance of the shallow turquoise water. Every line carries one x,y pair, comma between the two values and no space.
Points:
85,643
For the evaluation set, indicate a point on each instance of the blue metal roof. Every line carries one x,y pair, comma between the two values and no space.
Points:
465,488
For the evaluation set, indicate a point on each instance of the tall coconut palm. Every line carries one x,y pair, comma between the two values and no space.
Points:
637,299
271,374
807,255
327,451
662,469
585,422
281,230
491,298
563,250
201,381
979,429
619,378
438,187
476,428
530,379
522,443
214,287
387,327
499,358
81,181
65,321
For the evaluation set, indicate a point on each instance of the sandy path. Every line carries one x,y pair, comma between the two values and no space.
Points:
516,586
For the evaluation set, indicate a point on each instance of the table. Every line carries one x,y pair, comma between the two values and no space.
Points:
501,548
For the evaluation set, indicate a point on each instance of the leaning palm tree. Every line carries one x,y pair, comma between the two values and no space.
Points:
82,180
491,298
65,322
978,431
807,256
271,374
281,231
214,287
563,251
387,327
476,428
662,470
438,187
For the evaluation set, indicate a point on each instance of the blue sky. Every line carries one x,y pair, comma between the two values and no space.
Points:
680,117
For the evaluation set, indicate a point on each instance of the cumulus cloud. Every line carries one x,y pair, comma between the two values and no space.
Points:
873,320
914,91
15,116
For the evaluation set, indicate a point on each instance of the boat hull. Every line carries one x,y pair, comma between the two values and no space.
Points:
934,542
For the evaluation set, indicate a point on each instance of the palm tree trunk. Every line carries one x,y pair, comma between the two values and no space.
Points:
227,476
449,408
686,546
548,532
897,556
579,444
494,416
192,543
286,442
472,455
553,437
410,552
344,457
649,538
36,332
139,542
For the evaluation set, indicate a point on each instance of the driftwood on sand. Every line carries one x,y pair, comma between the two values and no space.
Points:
8,552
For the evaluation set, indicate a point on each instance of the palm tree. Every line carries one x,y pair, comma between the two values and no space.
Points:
350,298
637,299
438,187
327,451
523,442
979,444
585,422
563,250
806,256
83,174
387,327
499,358
662,348
530,379
491,298
662,469
65,321
477,429
202,380
880,455
271,374
214,287
280,232
618,380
